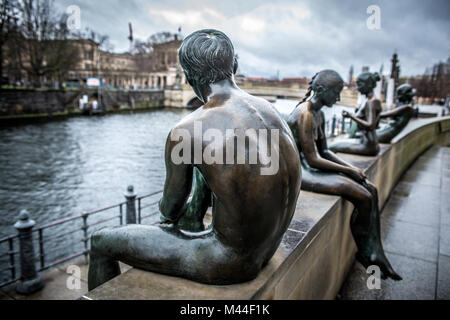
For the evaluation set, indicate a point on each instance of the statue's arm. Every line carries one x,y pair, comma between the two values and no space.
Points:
371,123
177,186
396,112
326,153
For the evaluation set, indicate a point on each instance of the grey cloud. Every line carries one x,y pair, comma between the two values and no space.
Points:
334,35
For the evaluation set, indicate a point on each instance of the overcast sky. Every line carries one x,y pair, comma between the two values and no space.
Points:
296,38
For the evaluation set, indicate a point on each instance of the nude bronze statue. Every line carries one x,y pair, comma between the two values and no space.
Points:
324,172
366,118
248,225
400,116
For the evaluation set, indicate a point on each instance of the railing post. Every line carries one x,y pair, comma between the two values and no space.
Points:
120,215
41,248
130,197
333,125
11,258
85,236
30,281
343,125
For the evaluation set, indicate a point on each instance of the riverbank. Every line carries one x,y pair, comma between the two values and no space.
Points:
22,119
27,105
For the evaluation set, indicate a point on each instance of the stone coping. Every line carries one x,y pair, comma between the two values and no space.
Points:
317,250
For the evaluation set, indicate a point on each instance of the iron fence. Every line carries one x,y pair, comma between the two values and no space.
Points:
68,238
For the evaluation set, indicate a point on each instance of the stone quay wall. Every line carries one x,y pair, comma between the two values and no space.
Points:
14,102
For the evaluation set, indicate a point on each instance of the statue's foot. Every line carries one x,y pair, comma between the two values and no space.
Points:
380,260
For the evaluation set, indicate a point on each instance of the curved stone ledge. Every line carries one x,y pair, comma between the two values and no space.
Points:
318,249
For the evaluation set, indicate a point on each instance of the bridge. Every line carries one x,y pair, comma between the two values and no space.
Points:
184,96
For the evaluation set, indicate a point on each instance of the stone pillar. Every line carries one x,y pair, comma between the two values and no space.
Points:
130,197
390,93
30,281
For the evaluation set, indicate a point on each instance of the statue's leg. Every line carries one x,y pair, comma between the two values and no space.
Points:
167,250
386,134
192,219
354,146
101,269
365,220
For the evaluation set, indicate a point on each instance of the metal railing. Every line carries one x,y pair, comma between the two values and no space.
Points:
337,126
18,250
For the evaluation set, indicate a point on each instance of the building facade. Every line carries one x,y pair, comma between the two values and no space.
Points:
158,69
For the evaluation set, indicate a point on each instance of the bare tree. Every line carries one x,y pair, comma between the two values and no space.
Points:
144,57
435,82
8,22
43,45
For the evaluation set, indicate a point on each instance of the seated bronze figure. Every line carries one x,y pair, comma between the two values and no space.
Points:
248,225
366,118
324,172
400,115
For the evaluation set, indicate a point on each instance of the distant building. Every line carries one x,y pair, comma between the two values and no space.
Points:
155,70
255,79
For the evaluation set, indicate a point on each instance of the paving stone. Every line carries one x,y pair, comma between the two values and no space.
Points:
56,288
419,281
84,269
415,211
406,238
444,243
301,224
443,289
427,164
423,177
402,189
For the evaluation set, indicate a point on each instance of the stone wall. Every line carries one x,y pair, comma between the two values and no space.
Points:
26,102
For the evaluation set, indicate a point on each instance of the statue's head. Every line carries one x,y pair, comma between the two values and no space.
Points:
367,81
405,93
327,86
207,56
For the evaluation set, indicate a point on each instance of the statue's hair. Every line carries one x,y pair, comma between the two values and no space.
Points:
404,89
325,78
207,56
371,77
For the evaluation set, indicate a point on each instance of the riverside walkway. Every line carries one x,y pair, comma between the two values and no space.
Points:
415,228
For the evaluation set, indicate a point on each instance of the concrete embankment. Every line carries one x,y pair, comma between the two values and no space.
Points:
26,105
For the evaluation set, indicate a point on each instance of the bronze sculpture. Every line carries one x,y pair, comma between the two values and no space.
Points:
366,118
247,225
400,116
324,172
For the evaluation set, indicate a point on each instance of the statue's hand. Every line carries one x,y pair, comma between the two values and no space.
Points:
345,114
357,174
